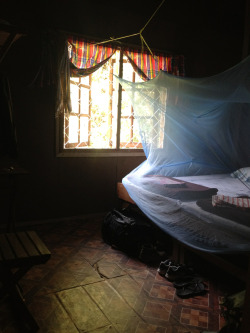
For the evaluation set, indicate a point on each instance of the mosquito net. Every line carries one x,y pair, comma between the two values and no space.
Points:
190,127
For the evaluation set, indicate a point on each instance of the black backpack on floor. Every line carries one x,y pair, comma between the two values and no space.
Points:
127,233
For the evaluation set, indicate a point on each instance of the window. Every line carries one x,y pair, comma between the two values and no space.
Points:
102,118
102,121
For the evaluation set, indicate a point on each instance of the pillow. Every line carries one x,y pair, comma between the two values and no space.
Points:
243,174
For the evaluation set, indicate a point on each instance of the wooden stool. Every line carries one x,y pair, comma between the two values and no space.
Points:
18,253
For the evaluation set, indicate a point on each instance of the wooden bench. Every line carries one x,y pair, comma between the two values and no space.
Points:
19,252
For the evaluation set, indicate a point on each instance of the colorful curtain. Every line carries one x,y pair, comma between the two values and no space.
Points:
63,101
87,57
148,66
82,58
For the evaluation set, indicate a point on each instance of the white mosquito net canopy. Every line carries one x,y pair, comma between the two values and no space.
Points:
190,127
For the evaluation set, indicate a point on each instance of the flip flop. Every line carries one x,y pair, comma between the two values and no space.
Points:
165,265
178,272
185,281
195,289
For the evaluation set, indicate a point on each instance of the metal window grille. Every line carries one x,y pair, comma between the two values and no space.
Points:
102,116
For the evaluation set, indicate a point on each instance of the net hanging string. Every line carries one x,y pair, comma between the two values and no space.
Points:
136,34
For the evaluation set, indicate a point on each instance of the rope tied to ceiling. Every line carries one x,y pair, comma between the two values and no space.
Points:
136,34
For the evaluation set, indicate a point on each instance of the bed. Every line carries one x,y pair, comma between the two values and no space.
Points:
195,136
213,232
187,214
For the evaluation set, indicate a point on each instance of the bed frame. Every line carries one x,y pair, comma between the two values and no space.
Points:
180,249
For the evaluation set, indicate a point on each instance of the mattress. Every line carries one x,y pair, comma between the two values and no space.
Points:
225,184
192,220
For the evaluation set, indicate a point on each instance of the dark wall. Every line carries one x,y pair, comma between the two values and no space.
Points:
208,33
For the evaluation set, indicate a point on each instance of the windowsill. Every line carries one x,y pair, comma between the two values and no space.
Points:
100,153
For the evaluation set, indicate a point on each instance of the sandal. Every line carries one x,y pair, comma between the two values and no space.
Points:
177,272
195,289
165,265
183,282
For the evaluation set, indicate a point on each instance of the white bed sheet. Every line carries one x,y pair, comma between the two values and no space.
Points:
189,223
226,184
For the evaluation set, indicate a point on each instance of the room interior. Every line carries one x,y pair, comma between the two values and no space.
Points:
74,193
211,41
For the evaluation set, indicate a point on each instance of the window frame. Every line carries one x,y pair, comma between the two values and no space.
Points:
96,152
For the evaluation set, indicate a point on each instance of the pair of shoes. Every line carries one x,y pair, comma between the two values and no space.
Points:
165,266
190,286
186,281
172,270
179,272
195,288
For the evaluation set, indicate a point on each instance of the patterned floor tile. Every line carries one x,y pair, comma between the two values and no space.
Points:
107,329
89,286
51,316
108,269
164,292
61,251
37,273
160,278
131,291
145,328
202,301
96,243
90,254
194,317
120,314
81,270
157,310
72,240
61,279
84,312
77,264
134,263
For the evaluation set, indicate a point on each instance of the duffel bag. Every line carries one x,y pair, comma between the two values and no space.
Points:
124,232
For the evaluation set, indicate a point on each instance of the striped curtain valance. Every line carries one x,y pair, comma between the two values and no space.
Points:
84,55
148,66
87,57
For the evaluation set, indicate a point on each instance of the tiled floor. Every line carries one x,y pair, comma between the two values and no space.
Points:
87,286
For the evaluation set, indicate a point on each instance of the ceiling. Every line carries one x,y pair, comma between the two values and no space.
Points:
109,18
193,18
